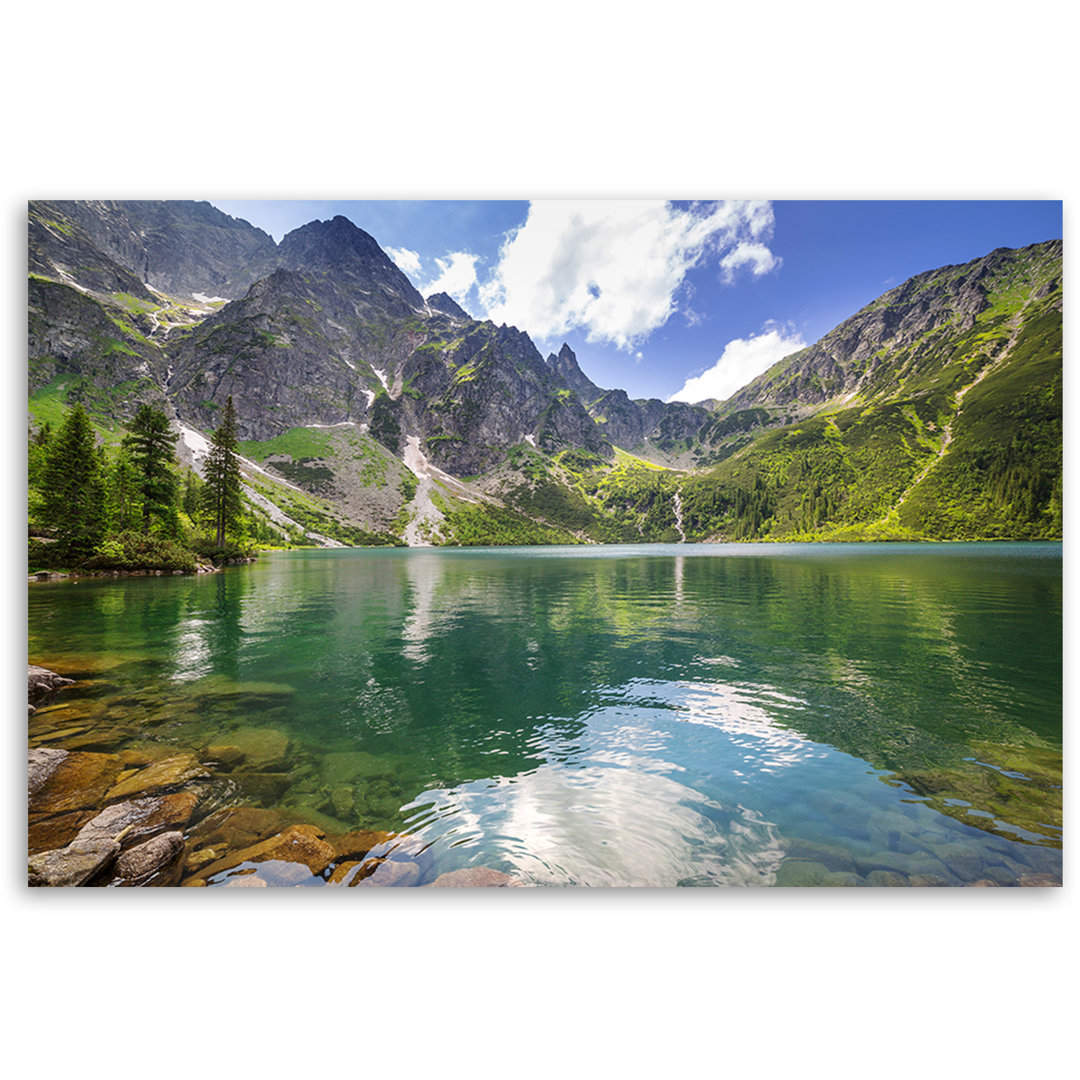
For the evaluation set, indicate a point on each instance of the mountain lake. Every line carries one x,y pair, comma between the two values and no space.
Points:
650,715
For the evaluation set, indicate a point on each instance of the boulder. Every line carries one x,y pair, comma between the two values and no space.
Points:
73,865
354,845
136,819
57,831
262,749
138,864
297,844
169,772
41,683
78,782
41,763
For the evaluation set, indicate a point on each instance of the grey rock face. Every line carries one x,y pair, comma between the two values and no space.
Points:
71,866
627,423
447,305
179,247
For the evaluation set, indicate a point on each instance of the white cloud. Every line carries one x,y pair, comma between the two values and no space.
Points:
742,360
752,254
613,269
457,275
407,261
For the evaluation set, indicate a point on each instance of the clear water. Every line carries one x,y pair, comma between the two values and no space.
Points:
651,715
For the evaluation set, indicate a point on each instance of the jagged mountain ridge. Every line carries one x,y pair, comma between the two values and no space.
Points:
333,335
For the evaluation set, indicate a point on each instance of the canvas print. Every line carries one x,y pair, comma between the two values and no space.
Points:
593,543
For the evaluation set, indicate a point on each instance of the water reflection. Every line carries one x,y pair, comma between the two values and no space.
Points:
596,716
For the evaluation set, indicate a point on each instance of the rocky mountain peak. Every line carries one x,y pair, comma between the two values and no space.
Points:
568,369
445,303
354,259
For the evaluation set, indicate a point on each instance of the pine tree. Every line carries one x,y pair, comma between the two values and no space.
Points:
222,474
151,445
73,495
123,490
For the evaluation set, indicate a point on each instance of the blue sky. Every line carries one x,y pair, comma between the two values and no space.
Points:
679,299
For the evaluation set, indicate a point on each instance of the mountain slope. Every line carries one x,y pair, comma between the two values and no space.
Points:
366,410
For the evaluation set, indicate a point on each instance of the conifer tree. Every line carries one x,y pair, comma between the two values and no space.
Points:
222,475
73,495
151,446
123,490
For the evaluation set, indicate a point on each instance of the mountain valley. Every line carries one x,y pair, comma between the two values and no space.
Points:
368,413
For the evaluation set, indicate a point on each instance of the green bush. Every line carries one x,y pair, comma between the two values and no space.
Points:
134,551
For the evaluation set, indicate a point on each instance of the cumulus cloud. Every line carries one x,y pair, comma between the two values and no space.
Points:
407,261
752,254
612,270
456,275
741,361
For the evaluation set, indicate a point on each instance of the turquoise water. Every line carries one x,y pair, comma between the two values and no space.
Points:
643,715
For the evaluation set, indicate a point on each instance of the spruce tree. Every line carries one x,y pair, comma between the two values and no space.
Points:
73,489
222,475
151,446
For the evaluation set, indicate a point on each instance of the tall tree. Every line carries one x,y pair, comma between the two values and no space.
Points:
123,490
73,490
152,448
222,474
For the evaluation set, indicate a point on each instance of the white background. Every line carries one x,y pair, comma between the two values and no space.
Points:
679,100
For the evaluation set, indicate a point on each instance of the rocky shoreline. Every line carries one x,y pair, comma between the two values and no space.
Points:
144,816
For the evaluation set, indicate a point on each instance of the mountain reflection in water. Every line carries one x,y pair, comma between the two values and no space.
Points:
654,715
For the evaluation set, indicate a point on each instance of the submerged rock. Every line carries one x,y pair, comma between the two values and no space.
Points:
260,749
73,865
472,877
297,844
169,772
386,874
48,833
41,763
78,782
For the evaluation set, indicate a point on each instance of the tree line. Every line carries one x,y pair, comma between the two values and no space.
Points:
133,506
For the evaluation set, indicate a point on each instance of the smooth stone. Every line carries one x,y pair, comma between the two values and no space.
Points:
342,800
264,749
298,844
136,819
169,772
472,877
804,873
887,878
150,857
41,763
354,845
73,865
46,834
238,826
79,782
984,883
263,786
229,756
